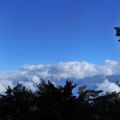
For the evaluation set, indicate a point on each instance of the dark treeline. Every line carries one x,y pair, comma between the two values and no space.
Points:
50,102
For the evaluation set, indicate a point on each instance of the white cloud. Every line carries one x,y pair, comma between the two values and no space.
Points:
109,68
77,70
108,86
30,75
4,84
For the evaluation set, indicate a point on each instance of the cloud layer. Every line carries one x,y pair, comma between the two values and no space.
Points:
30,75
108,86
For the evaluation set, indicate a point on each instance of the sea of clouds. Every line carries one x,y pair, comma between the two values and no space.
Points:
30,75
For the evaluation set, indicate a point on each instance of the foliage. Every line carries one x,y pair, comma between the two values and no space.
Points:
59,103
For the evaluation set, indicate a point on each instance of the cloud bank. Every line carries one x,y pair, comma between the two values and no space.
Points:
108,86
30,75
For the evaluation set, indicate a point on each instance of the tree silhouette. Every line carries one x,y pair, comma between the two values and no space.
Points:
59,103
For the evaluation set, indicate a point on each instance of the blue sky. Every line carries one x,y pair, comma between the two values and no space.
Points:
51,31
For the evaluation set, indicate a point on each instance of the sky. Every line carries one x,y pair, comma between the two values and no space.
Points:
53,31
